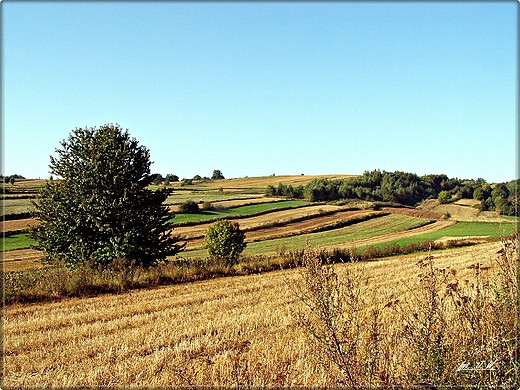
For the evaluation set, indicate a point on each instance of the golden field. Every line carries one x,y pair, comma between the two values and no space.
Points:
237,331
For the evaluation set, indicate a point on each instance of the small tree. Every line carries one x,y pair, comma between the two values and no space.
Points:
189,207
444,197
157,179
101,209
224,241
217,175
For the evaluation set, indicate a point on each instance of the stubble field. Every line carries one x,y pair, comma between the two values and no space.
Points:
225,332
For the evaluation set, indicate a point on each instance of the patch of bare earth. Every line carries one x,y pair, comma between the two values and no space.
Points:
17,224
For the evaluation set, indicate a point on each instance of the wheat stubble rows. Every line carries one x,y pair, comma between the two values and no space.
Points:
225,332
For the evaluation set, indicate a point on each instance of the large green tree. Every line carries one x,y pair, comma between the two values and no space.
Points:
100,208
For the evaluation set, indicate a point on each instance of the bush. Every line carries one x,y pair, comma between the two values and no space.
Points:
444,197
224,241
189,207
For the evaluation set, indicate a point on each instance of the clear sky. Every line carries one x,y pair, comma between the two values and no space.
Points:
257,88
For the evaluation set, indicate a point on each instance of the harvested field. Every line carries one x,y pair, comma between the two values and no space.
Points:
17,224
21,259
462,210
224,332
264,181
412,212
16,206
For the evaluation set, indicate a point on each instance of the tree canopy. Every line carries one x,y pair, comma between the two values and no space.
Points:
100,209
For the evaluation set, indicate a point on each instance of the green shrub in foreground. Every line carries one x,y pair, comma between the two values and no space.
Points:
224,241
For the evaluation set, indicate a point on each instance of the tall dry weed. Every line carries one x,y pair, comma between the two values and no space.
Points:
445,328
344,320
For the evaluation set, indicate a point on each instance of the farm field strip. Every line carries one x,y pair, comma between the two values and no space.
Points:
238,212
258,221
417,231
459,230
15,206
193,334
17,224
289,226
17,241
336,237
208,196
264,181
235,202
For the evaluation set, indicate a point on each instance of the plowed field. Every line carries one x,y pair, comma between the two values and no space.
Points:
17,224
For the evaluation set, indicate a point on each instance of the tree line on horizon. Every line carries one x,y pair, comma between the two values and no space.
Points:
158,179
405,188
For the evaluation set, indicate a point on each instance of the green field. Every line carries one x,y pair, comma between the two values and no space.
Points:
18,241
240,211
366,229
459,230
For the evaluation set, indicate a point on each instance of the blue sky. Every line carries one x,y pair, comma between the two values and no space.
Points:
258,88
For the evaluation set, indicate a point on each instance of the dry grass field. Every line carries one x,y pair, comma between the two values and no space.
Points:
264,181
239,331
461,210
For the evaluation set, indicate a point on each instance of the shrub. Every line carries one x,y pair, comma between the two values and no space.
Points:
224,241
440,330
444,197
189,207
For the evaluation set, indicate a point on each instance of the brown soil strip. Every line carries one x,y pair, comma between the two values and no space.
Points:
17,224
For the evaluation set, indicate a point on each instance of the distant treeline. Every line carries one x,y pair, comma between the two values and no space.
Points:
405,188
11,179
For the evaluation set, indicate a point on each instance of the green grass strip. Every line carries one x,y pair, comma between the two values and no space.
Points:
18,241
237,212
459,230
